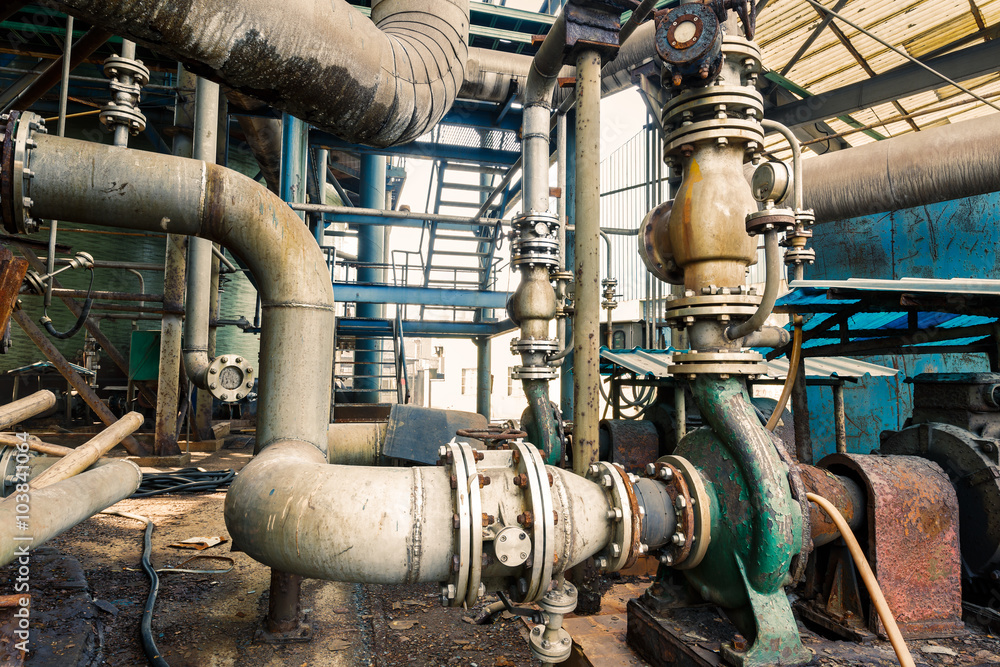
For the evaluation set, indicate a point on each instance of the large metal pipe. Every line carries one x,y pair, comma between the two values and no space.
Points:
58,508
291,510
380,82
587,316
371,254
938,164
25,408
199,260
89,452
191,197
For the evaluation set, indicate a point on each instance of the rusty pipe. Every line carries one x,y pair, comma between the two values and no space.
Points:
88,453
25,408
844,493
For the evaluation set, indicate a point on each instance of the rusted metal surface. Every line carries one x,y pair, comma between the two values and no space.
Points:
913,543
800,408
12,607
46,347
842,492
633,443
12,270
493,437
91,324
681,499
415,433
284,623
839,609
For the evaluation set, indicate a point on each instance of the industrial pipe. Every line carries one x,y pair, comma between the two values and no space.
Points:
25,408
88,453
772,284
203,199
199,259
541,83
380,82
58,508
587,316
938,164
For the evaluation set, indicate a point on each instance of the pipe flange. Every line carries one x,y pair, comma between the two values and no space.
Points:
701,513
8,467
623,515
538,495
552,646
33,283
123,114
15,193
732,362
463,587
230,378
534,373
546,346
738,48
728,100
537,252
795,256
560,600
537,240
716,304
117,66
805,217
717,130
768,220
798,489
679,548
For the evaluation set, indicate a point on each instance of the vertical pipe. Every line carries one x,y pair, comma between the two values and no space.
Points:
588,269
322,157
63,100
371,251
484,378
569,264
840,418
800,410
205,401
174,281
122,130
197,354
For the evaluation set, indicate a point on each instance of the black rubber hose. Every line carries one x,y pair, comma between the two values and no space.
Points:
187,480
153,656
80,321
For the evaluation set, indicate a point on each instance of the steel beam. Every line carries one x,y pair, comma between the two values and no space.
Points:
427,296
420,149
905,81
422,329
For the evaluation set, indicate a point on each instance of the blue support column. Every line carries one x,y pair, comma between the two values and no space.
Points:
566,374
318,224
371,250
294,157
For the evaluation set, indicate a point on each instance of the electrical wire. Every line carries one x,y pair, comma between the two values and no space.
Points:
146,627
793,368
871,583
186,480
80,321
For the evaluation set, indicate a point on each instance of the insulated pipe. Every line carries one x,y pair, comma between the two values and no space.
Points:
199,260
88,453
541,83
379,82
25,408
58,508
587,317
164,193
938,164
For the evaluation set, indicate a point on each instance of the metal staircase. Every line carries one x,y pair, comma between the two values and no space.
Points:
389,382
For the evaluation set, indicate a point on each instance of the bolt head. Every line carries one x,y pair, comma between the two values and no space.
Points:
607,481
225,360
593,470
239,360
651,469
665,474
213,371
616,550
442,450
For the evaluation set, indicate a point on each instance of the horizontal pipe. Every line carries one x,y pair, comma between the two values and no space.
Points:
88,453
105,264
25,408
108,296
58,508
395,215
36,445
917,169
291,510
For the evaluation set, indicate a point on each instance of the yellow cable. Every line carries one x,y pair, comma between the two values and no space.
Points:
793,369
881,606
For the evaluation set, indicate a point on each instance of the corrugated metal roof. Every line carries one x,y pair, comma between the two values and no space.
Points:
655,364
919,27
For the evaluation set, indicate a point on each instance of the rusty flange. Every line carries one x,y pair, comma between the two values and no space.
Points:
913,543
692,534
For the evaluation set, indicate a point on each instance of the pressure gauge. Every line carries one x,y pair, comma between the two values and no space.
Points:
772,181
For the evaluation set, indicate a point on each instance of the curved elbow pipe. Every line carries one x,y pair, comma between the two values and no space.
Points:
380,82
772,281
95,184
